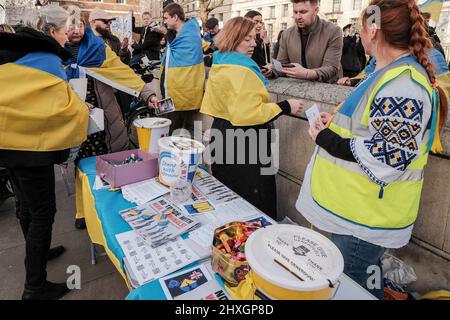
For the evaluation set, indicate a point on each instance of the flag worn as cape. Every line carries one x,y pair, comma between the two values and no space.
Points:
433,7
96,59
236,91
39,112
183,67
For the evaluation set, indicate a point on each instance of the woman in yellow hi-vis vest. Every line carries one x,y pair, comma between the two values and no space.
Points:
41,118
364,181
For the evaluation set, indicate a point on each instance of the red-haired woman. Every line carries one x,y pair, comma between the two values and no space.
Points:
365,178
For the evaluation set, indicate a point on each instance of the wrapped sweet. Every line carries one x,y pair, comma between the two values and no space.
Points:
228,250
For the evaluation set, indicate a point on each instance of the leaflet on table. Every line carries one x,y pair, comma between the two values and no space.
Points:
147,263
159,221
197,208
144,191
216,192
196,283
198,204
100,184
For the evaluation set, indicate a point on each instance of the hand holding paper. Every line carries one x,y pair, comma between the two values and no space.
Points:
315,121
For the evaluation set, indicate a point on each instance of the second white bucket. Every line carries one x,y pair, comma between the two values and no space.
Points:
178,159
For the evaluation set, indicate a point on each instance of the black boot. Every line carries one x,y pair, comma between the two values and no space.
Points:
80,224
55,252
50,291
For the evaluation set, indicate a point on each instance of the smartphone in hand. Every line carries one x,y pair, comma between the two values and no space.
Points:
166,106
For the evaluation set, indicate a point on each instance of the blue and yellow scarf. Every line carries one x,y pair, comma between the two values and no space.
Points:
96,59
236,91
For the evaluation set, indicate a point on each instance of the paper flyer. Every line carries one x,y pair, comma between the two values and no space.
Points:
149,263
159,221
216,192
196,283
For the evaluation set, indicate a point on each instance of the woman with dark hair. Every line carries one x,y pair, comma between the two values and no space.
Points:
277,45
261,53
365,178
237,97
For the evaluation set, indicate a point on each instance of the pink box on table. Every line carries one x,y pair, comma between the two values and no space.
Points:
129,173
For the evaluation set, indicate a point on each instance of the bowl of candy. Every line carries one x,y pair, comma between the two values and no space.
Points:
228,250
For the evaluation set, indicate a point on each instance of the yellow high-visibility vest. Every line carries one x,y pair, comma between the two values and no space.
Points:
343,189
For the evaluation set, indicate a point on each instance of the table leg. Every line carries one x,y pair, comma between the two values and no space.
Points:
93,254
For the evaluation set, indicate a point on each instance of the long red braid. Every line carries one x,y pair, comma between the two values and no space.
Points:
404,27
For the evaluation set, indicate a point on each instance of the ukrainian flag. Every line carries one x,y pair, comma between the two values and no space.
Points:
97,60
433,7
39,112
184,71
236,91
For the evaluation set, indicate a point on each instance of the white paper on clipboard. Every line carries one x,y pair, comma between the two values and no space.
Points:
96,121
80,87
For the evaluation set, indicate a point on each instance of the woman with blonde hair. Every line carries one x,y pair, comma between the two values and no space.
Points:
237,97
364,181
41,119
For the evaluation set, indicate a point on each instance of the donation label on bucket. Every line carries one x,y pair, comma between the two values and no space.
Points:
178,159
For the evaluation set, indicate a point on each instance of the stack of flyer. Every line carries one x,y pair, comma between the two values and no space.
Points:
159,221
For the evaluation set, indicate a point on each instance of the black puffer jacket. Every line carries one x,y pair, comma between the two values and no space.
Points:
14,46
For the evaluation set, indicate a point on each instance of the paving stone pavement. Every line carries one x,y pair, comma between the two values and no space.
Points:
100,281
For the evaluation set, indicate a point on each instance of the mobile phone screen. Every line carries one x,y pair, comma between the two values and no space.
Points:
166,107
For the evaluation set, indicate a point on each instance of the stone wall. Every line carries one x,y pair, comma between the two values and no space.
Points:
432,229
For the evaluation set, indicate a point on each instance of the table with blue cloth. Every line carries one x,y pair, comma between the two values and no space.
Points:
100,209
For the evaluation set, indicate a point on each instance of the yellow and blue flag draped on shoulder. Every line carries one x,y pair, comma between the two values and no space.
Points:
183,68
236,91
39,112
97,60
433,7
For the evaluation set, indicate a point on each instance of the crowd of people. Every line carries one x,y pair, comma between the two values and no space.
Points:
364,180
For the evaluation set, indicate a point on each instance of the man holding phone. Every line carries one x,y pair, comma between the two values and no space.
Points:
312,48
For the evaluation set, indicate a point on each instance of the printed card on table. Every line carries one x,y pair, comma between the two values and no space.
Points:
196,283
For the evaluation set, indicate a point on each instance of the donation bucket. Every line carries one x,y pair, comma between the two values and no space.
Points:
178,159
149,131
289,262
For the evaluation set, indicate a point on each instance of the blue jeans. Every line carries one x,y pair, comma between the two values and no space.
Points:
358,256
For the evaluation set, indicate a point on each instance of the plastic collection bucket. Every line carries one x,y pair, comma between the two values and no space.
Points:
178,159
149,131
294,263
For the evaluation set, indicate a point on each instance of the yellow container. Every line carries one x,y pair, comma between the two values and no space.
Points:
149,131
231,271
289,262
